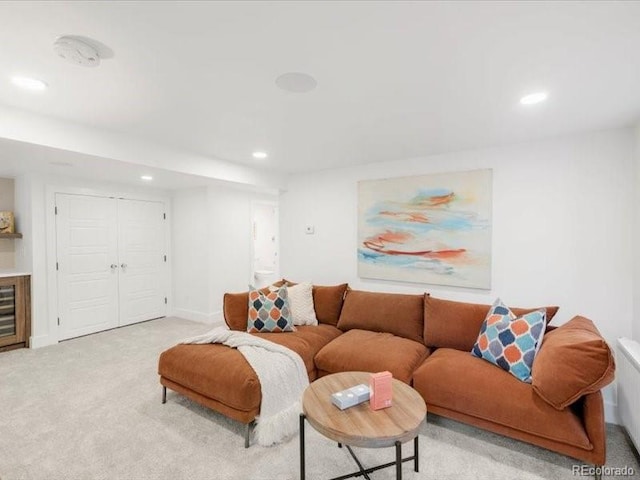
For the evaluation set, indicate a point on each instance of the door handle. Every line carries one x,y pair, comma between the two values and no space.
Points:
113,266
123,265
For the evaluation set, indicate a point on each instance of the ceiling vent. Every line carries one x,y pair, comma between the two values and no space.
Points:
77,51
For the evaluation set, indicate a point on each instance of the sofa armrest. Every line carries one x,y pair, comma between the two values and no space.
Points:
574,360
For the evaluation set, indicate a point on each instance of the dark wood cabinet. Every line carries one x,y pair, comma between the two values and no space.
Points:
15,312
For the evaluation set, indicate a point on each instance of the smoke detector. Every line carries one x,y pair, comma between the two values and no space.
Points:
77,51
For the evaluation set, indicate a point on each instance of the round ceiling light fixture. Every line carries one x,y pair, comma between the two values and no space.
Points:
296,82
533,98
77,51
29,83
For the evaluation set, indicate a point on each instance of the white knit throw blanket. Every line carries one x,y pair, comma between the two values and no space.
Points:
283,378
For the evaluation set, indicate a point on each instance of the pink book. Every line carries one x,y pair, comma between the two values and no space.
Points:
381,390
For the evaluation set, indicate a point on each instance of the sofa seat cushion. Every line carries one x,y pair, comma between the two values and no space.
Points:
222,374
458,381
306,341
214,371
365,351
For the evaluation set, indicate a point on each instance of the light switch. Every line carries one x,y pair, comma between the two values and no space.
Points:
309,229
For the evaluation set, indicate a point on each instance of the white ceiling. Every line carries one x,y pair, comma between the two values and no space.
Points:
395,79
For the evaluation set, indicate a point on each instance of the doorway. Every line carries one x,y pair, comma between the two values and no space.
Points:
265,262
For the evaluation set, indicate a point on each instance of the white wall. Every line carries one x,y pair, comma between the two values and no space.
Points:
562,212
31,252
636,240
7,245
190,234
211,233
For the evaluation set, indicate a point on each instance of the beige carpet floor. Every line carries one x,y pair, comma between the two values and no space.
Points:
90,408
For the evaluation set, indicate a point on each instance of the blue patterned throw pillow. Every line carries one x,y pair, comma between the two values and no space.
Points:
269,312
511,342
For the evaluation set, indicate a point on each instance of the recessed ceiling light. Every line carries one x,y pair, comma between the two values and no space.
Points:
29,83
296,82
146,178
533,98
259,155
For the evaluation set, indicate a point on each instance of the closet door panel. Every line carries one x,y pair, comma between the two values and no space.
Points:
86,236
141,240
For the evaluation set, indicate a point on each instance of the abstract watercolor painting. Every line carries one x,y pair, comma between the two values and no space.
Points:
427,229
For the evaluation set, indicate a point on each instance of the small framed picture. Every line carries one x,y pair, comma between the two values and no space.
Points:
7,222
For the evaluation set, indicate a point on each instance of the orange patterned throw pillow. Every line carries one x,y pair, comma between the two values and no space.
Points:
269,312
511,342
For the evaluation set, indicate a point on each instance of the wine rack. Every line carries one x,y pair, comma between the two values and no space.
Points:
15,317
7,310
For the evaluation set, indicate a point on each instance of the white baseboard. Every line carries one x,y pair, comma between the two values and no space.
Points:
200,317
611,413
214,319
41,341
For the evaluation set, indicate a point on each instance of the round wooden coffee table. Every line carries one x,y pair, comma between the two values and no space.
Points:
359,426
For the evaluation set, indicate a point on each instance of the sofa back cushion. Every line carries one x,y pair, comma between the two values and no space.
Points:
574,360
395,313
327,302
235,308
450,324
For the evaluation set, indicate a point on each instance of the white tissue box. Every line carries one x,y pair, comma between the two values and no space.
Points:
351,396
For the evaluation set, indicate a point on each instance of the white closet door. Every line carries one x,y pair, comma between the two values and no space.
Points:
86,234
142,264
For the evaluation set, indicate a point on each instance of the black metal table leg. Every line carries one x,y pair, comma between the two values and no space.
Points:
302,472
247,433
397,462
363,472
164,394
415,454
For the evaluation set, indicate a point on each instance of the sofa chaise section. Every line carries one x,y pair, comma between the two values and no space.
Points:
219,377
223,376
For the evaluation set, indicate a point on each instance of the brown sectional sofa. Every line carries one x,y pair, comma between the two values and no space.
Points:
425,342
